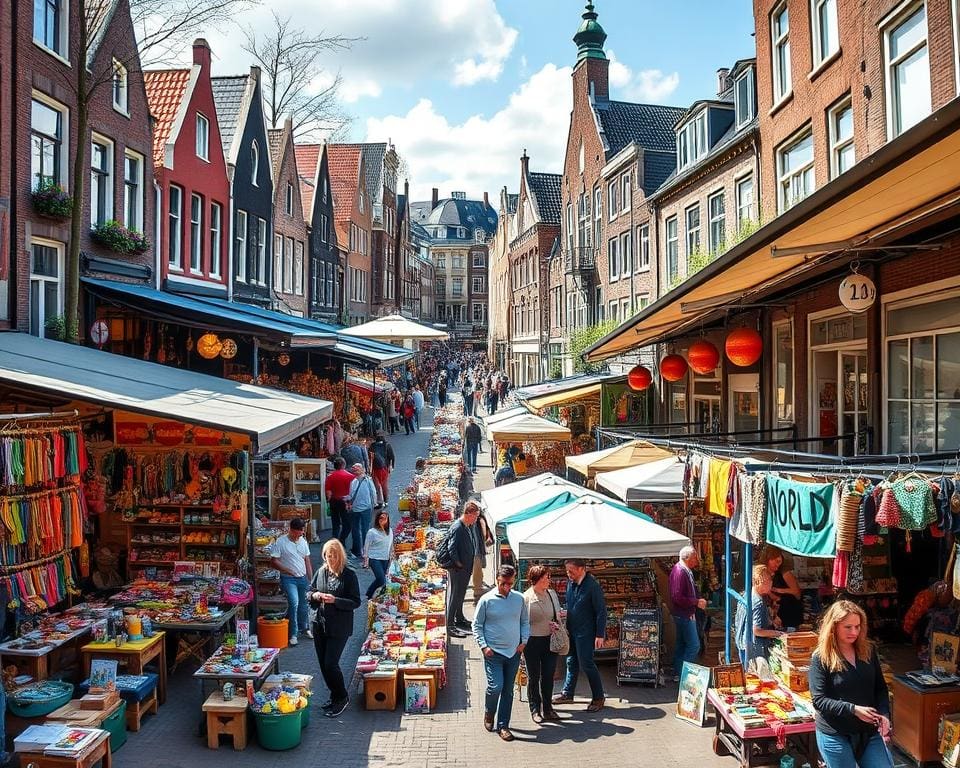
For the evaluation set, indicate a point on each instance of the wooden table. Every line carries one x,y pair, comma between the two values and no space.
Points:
757,746
37,661
97,751
916,715
271,665
136,654
196,639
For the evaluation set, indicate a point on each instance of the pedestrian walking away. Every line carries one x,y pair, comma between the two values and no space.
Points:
684,602
501,625
335,593
360,504
337,487
587,627
382,462
543,607
290,554
472,438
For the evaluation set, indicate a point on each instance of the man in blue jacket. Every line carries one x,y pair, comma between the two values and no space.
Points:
587,626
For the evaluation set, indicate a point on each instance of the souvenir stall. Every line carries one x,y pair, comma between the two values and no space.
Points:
542,443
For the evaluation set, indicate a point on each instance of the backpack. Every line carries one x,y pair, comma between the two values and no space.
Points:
443,555
379,451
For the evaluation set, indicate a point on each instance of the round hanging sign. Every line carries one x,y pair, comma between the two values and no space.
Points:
228,349
99,333
283,358
857,293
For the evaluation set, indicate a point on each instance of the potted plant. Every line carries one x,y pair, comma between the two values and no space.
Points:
116,237
55,328
51,200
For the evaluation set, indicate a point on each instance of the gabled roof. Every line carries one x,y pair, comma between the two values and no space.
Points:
276,138
544,188
165,93
657,168
229,96
99,17
650,125
343,165
308,159
374,154
456,212
513,200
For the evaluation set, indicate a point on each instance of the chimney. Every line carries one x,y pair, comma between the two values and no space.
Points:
524,163
723,80
255,73
435,198
406,189
486,200
201,53
288,123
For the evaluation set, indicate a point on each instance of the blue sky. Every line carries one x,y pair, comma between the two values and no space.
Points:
463,86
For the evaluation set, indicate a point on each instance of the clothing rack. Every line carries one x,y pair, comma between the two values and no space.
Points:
41,416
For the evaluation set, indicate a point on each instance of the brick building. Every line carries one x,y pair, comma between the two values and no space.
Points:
420,242
39,58
499,275
191,177
407,271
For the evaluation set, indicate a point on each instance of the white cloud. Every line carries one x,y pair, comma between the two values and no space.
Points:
646,85
482,154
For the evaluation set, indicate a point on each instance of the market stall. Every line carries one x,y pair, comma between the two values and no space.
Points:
542,442
630,454
572,402
659,480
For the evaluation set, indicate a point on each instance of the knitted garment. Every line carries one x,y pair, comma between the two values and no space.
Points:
915,499
848,518
888,512
753,501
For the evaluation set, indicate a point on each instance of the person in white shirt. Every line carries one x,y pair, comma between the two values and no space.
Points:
378,551
418,405
361,501
290,554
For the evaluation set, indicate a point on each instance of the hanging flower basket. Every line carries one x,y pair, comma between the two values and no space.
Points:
51,200
116,237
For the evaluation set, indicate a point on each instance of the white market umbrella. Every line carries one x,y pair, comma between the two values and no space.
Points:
509,499
655,481
394,328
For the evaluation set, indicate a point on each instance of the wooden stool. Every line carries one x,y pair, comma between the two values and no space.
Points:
137,709
380,691
226,717
99,750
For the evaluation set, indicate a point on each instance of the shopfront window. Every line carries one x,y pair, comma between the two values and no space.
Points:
783,372
840,396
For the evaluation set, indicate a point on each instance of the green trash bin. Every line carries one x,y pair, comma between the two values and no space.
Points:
279,731
116,724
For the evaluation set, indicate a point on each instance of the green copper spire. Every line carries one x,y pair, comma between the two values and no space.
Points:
590,37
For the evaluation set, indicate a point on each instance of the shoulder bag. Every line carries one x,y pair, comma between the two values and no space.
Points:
319,585
559,639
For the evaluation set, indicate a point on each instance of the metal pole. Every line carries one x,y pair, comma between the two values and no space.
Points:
256,357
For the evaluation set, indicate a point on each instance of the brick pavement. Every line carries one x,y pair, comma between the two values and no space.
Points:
637,727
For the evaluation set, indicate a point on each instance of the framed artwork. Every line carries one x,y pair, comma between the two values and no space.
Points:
692,696
943,653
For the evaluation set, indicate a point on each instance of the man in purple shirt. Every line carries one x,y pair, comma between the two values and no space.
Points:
684,602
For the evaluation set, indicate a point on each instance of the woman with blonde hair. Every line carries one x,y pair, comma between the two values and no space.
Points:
335,593
848,691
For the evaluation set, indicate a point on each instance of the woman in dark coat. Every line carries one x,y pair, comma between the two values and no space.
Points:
335,592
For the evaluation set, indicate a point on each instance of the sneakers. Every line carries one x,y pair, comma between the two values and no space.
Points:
293,640
455,632
309,633
337,708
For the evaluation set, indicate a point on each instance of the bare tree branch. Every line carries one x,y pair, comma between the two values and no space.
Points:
295,82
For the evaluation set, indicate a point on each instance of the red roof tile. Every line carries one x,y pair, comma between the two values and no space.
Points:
165,90
308,155
343,165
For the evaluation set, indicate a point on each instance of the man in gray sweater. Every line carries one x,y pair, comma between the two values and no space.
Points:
462,552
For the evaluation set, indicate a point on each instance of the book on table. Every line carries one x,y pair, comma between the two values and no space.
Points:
73,741
36,738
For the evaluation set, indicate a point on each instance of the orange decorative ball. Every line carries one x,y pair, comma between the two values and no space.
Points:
744,347
703,357
639,378
673,368
209,346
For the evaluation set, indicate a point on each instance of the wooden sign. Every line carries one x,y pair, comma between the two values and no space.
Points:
943,653
728,676
639,655
132,432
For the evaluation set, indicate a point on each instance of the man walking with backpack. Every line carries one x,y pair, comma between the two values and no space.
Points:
455,553
381,462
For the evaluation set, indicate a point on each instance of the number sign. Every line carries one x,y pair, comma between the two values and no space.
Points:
857,293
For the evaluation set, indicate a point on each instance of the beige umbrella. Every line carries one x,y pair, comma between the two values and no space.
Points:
394,327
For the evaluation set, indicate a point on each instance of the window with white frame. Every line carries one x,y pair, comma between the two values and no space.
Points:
46,291
824,31
133,190
597,217
260,269
478,312
298,268
47,130
672,249
478,260
331,298
240,247
196,234
288,202
120,87
780,38
570,228
278,262
458,286
613,310
643,252
101,180
745,210
613,258
842,150
692,140
907,70
203,137
477,284
692,216
783,377
175,227
743,97
613,202
641,301
288,265
716,210
216,238
795,171
51,25
458,261
255,163
626,254
625,312
625,191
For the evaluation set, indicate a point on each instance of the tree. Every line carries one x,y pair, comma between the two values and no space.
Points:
582,338
295,82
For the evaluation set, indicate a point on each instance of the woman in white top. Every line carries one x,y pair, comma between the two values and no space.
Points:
378,551
543,607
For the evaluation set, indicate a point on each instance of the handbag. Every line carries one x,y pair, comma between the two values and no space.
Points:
320,585
559,639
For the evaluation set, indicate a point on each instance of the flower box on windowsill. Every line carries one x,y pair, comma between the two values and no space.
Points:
52,201
117,238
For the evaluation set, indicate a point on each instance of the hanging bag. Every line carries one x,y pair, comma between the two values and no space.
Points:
559,639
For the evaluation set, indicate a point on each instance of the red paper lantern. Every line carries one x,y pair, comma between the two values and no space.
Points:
639,378
673,368
703,356
744,347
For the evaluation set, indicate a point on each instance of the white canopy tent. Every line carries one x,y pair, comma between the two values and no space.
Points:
526,427
591,527
395,328
628,454
507,500
660,480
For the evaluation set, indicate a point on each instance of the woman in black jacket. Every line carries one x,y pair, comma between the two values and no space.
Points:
335,592
848,691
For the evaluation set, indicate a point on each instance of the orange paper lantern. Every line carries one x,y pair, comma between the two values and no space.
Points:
209,346
673,368
703,357
743,346
639,378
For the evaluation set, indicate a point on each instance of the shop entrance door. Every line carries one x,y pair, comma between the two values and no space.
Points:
842,396
744,404
706,413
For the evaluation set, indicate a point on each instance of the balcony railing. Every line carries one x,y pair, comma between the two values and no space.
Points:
579,260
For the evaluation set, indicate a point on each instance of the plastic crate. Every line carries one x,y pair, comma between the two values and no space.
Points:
116,724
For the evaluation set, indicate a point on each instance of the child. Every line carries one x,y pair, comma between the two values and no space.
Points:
763,629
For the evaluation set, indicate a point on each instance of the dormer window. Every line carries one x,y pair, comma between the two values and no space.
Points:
692,141
743,97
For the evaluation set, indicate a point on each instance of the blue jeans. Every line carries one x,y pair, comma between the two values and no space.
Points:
581,657
379,568
472,449
359,525
838,752
687,646
501,677
298,610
